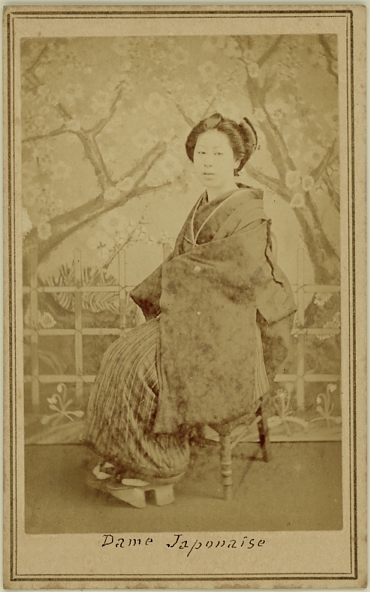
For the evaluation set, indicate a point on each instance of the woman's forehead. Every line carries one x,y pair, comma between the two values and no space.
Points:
213,139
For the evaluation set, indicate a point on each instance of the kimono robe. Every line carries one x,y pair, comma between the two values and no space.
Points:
220,276
199,358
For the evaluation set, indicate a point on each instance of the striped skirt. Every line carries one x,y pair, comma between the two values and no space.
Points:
123,404
122,407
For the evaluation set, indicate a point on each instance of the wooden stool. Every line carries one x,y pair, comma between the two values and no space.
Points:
227,443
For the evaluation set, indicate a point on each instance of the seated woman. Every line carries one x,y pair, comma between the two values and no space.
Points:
199,358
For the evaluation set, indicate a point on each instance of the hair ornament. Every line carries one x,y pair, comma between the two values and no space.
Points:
250,134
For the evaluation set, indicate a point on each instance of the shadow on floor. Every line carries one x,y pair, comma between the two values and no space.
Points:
299,489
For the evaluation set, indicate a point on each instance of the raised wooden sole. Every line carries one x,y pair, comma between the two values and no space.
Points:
135,496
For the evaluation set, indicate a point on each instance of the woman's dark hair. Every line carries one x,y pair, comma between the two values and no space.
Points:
242,136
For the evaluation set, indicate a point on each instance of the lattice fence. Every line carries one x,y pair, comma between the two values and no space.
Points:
122,290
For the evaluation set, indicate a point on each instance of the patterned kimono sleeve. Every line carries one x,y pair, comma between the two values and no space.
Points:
147,294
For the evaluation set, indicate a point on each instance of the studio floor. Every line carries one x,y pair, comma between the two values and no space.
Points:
299,489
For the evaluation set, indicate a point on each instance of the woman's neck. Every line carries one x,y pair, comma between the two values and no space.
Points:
214,193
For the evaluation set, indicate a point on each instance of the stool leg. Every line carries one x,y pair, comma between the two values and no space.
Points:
227,479
264,436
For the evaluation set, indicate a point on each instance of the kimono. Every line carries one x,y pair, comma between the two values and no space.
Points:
199,359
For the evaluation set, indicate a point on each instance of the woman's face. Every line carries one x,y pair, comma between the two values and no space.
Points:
214,161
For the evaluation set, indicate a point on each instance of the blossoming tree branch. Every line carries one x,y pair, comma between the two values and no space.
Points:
103,124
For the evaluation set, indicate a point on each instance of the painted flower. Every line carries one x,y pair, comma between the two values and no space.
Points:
112,195
253,69
73,125
322,298
292,178
335,323
155,104
61,405
125,184
46,320
112,222
170,166
208,69
44,229
259,114
308,182
26,222
297,201
314,157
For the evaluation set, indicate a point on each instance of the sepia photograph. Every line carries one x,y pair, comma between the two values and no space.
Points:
185,358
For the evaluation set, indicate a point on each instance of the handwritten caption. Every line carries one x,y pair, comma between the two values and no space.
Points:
183,543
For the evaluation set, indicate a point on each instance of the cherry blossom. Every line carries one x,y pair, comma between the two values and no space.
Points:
322,297
73,125
171,166
297,201
26,222
44,229
46,320
112,195
126,184
308,182
113,222
292,178
314,157
253,69
259,114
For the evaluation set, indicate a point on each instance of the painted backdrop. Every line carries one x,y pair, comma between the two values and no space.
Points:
106,186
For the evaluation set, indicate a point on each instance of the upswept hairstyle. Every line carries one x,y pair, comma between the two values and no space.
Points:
242,136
